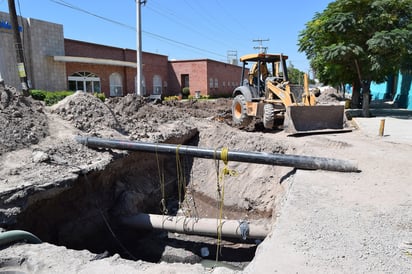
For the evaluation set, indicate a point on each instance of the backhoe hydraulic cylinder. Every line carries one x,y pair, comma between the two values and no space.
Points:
297,161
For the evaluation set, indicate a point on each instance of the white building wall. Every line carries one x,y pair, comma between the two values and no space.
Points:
42,40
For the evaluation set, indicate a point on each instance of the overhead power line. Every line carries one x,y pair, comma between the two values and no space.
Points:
185,25
68,5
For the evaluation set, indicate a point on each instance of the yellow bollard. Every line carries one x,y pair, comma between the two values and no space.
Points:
382,127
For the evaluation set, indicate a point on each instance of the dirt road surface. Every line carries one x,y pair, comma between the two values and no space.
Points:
347,222
321,221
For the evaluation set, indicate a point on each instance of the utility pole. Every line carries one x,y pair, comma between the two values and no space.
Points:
139,66
261,48
19,48
232,57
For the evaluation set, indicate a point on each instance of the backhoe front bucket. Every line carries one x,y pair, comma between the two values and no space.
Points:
314,119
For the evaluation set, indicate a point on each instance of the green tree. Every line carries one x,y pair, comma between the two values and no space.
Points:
359,41
295,75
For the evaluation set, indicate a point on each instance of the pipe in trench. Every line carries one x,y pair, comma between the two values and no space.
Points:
18,235
297,161
198,226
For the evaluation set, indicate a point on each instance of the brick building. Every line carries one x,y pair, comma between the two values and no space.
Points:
55,63
98,68
207,76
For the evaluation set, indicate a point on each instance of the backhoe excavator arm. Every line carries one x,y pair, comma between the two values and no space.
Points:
284,95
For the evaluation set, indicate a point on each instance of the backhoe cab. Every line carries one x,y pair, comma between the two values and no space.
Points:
267,94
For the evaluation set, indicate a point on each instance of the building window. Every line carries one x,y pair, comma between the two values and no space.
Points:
116,87
143,84
216,83
224,84
84,81
184,80
211,83
157,85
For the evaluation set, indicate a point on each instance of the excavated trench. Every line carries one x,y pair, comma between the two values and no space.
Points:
86,216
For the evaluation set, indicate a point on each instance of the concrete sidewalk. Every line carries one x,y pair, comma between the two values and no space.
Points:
396,130
334,222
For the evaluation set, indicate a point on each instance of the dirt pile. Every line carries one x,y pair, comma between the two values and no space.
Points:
135,118
22,120
329,96
86,112
328,211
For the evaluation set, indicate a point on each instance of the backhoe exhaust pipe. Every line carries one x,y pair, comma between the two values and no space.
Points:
297,161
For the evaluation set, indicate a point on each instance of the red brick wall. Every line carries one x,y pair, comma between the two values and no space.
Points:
227,75
200,72
197,71
153,64
101,71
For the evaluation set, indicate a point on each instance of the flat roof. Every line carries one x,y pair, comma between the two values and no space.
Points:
263,57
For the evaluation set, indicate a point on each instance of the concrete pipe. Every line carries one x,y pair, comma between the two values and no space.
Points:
198,226
297,161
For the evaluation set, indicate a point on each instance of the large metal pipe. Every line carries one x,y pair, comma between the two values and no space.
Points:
18,235
297,161
198,226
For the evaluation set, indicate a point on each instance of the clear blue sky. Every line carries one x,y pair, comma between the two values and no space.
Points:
183,29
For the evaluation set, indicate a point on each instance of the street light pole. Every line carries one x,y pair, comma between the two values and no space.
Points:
139,66
19,48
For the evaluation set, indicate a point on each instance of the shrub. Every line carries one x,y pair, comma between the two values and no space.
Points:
186,92
52,97
49,97
38,94
101,96
202,97
171,98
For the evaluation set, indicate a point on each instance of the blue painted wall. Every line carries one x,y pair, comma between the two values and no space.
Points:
403,90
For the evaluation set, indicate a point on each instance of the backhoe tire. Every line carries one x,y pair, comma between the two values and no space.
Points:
239,112
268,116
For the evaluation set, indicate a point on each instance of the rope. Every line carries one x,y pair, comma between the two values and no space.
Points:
224,155
221,192
181,181
163,207
185,193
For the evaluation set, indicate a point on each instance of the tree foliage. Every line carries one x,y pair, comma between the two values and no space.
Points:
359,41
295,75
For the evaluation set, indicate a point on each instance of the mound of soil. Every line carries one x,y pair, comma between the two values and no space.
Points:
22,120
329,96
334,217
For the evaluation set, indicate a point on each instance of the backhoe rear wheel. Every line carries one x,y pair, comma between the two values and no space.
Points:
239,112
268,116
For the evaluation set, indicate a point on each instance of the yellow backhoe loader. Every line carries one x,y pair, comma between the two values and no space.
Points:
267,94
